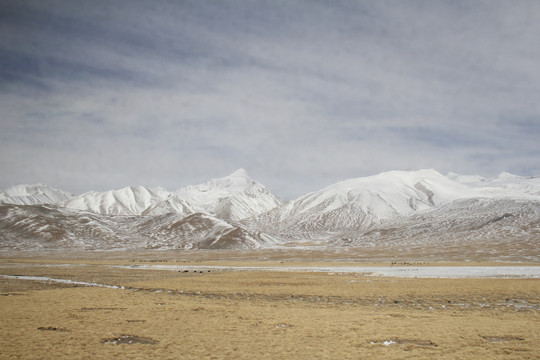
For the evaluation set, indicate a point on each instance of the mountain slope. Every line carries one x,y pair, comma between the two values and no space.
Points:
33,195
233,197
198,231
414,213
504,185
362,202
173,204
131,200
45,227
486,228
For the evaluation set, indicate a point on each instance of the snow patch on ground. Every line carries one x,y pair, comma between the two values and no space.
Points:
63,281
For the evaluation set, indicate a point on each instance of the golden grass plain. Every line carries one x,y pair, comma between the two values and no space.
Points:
258,314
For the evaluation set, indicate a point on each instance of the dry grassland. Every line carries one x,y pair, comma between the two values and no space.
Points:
261,315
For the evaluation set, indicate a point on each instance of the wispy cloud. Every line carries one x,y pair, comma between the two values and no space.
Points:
301,93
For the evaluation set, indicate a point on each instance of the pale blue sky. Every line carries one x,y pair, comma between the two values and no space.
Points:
105,94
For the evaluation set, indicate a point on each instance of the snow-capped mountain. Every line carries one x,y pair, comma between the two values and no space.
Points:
234,197
363,202
504,185
45,227
131,200
489,228
405,212
156,218
174,204
33,195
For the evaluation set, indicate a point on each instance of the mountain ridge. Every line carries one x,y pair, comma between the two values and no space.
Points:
365,201
33,194
10,192
236,196
130,200
237,212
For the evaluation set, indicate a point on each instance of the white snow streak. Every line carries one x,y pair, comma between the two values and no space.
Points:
63,281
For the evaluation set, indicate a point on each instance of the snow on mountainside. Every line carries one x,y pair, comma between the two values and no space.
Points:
33,195
464,179
397,210
362,202
504,185
44,227
198,231
131,200
167,221
491,228
234,197
173,204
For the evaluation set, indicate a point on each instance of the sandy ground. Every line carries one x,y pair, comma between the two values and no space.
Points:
256,314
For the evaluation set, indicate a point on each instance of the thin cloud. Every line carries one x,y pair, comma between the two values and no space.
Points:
302,94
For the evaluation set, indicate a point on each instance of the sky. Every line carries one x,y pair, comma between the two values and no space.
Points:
99,95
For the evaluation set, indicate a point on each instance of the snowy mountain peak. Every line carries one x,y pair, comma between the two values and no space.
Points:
410,173
396,208
507,185
234,197
361,202
173,204
240,173
131,200
35,194
402,182
507,176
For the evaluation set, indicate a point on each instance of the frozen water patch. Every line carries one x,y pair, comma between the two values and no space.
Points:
460,271
63,281
26,265
448,272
